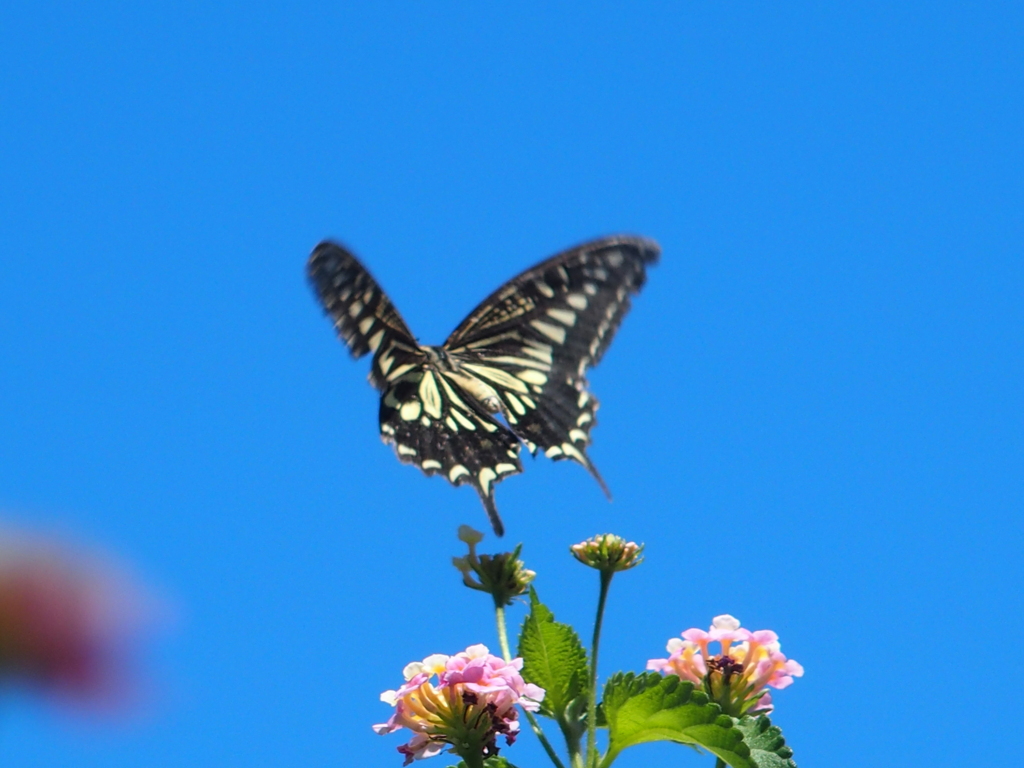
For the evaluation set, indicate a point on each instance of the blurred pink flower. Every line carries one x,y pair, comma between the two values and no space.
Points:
66,621
472,703
736,678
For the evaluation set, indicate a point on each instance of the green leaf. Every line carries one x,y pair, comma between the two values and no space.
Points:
767,747
553,658
649,707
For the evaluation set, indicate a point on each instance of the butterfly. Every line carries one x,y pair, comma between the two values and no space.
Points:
511,374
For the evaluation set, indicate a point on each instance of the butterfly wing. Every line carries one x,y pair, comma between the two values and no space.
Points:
425,413
533,339
438,426
364,317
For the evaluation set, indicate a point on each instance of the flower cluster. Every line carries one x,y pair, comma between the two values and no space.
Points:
470,705
737,677
504,576
608,553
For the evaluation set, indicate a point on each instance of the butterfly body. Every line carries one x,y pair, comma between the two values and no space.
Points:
511,374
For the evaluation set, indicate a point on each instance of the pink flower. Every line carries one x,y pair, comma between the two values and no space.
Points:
472,703
736,678
66,621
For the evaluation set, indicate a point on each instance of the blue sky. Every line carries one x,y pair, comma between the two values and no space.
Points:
812,416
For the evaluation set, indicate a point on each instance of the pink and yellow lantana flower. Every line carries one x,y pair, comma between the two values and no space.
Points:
738,676
471,703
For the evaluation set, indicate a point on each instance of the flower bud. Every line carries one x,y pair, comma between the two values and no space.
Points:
470,535
504,576
608,553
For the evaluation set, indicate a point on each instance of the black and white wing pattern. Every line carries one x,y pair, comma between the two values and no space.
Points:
363,315
533,339
522,354
425,413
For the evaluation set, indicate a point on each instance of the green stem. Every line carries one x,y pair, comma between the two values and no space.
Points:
576,756
606,580
499,612
535,727
720,763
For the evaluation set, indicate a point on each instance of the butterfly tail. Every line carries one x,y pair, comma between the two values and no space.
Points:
597,476
579,455
492,512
